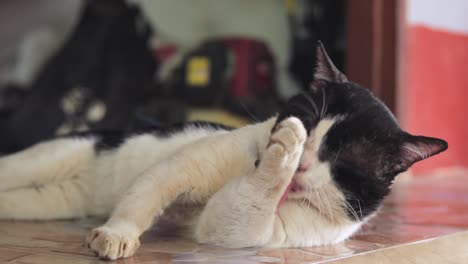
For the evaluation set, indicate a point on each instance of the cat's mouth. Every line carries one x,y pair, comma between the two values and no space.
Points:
294,190
295,187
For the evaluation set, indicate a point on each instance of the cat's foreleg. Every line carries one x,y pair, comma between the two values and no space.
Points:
51,161
197,170
243,212
141,205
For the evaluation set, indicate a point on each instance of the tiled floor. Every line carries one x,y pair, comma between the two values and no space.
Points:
418,210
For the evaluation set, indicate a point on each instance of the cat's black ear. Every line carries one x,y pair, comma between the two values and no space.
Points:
417,148
325,69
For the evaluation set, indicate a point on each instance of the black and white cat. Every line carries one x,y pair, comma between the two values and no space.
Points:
310,176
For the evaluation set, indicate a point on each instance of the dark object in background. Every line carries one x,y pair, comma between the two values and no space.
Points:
201,76
11,97
312,21
236,74
94,81
102,77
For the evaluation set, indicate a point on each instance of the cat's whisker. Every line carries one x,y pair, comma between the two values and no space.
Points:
327,211
329,208
322,200
305,109
319,201
252,116
351,209
337,154
312,103
308,195
360,209
324,99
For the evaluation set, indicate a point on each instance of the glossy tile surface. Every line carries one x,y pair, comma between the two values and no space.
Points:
419,209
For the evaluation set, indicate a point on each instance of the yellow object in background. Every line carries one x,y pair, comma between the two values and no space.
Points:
198,71
291,6
217,116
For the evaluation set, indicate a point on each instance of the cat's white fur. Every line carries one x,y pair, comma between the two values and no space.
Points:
211,169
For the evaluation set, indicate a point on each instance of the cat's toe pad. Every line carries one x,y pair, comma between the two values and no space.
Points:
290,133
112,244
286,143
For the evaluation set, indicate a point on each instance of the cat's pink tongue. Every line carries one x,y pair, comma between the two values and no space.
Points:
292,187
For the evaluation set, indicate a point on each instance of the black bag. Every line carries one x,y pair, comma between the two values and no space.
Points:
95,80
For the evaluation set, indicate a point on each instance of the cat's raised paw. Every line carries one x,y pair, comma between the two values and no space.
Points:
112,244
290,131
286,144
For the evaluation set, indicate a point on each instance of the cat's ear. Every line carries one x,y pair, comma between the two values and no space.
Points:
325,70
417,148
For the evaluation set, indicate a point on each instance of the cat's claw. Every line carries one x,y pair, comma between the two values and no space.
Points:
111,244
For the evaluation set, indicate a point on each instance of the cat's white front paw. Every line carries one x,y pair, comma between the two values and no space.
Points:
112,243
291,134
285,147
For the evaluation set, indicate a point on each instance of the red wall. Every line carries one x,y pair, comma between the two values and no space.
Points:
434,91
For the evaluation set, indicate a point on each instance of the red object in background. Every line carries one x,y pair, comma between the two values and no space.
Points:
164,52
435,94
253,70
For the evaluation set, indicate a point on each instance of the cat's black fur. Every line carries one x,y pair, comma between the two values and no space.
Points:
365,147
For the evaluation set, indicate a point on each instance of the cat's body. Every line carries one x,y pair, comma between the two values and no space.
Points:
104,166
310,176
76,178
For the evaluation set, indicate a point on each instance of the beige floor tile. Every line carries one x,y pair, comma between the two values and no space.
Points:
415,224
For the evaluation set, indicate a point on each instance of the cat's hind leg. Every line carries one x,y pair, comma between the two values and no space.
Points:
243,212
63,200
51,161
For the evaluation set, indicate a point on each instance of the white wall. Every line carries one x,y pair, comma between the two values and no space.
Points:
448,15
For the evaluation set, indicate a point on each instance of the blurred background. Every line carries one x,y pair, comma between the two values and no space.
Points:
76,65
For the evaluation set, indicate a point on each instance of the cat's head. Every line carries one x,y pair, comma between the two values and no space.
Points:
355,147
